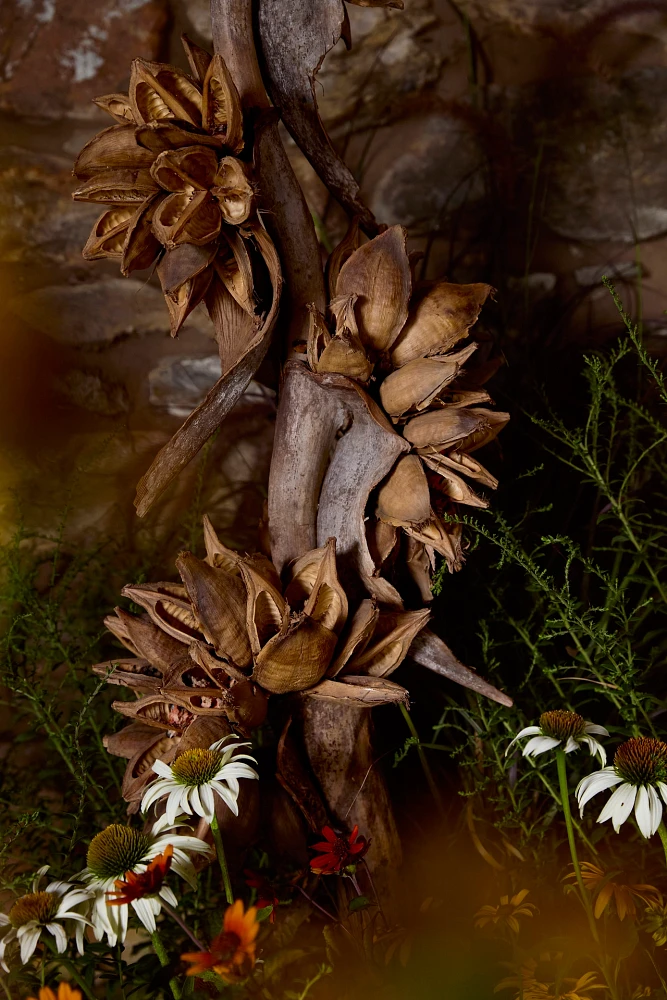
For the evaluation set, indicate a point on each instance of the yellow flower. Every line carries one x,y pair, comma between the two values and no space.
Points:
65,992
623,894
656,924
530,988
506,913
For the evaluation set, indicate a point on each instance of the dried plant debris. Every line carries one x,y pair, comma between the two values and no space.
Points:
412,346
176,176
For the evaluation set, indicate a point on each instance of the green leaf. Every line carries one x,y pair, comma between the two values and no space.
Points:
265,912
358,903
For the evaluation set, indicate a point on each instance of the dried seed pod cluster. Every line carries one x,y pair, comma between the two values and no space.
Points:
209,651
413,347
177,190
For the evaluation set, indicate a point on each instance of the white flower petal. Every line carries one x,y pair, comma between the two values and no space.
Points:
59,935
662,788
571,745
619,805
643,812
656,809
163,769
197,806
595,730
174,805
528,731
144,911
595,748
29,943
593,783
168,895
4,919
226,796
206,796
538,745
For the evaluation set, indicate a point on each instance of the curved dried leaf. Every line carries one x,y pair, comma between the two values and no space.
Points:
439,320
430,651
134,673
296,658
378,273
141,247
416,384
363,691
458,490
221,107
327,603
344,353
403,497
117,627
198,58
219,601
168,135
382,541
131,740
158,90
115,148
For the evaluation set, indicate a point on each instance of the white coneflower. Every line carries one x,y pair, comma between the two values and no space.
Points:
38,911
561,729
196,776
640,772
120,851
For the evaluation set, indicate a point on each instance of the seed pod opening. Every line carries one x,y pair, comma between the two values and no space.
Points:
221,106
233,191
158,90
439,320
296,658
419,382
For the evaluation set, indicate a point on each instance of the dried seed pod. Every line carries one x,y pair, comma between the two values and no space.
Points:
379,274
490,426
403,497
233,267
185,275
115,148
198,58
382,539
141,247
183,218
169,608
219,602
419,382
118,106
439,320
221,106
446,427
296,658
356,635
185,169
159,137
233,191
150,641
118,187
135,673
327,603
217,554
303,574
419,563
344,353
363,691
391,640
153,710
109,233
457,489
318,337
445,539
468,397
458,461
266,611
341,253
159,91
117,627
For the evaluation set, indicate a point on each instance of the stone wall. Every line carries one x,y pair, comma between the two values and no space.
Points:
521,141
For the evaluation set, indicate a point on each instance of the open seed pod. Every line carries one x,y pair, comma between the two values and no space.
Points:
219,602
460,462
393,634
158,91
448,427
438,320
233,191
443,538
404,498
344,353
185,275
221,105
418,383
295,658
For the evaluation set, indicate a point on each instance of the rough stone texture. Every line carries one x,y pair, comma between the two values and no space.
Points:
38,220
57,56
527,15
91,391
605,145
395,55
98,312
423,170
179,384
197,14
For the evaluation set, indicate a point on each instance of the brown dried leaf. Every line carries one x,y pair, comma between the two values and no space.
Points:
403,497
439,320
318,337
150,641
141,247
356,635
447,427
378,273
233,267
183,218
109,233
444,538
267,612
382,541
363,691
419,564
491,424
219,602
134,673
458,490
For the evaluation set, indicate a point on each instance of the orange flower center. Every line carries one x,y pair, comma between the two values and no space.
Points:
642,760
39,906
560,725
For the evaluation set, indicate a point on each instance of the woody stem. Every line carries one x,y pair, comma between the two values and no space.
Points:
181,923
222,860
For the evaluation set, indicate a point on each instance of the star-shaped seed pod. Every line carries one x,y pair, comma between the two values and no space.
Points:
415,343
177,191
210,650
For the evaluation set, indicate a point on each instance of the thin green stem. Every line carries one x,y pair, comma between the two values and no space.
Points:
435,792
184,927
567,814
80,982
663,837
161,953
222,860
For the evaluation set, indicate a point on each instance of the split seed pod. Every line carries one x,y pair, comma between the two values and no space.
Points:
419,382
221,107
403,498
447,427
439,320
445,539
296,658
391,641
458,461
158,91
219,602
344,353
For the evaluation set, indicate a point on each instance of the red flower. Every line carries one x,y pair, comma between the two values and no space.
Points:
266,894
340,852
140,884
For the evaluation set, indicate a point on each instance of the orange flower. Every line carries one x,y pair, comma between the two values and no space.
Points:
232,953
65,992
623,893
140,884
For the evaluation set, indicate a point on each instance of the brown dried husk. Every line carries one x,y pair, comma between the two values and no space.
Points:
217,554
439,320
185,218
186,168
118,187
303,574
221,106
108,235
419,562
296,658
141,247
267,612
327,603
491,424
169,608
344,353
219,601
458,461
356,635
403,497
116,105
114,148
445,539
185,274
341,253
233,191
234,268
419,382
458,490
158,91
391,641
378,273
447,427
